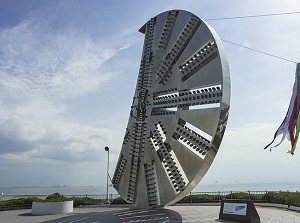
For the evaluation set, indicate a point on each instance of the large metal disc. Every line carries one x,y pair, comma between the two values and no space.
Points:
178,114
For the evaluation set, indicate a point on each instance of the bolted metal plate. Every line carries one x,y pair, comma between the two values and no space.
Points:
178,114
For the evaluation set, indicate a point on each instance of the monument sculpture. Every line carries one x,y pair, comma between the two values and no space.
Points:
178,114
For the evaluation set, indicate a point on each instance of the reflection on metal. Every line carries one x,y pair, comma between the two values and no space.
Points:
179,111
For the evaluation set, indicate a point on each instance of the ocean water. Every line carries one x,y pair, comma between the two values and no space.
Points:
96,190
215,187
65,190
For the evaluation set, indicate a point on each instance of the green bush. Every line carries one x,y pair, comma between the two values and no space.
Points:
85,201
56,197
237,195
216,197
200,198
20,201
257,197
289,198
118,200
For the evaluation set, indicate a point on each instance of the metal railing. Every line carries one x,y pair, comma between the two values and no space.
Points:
278,197
95,196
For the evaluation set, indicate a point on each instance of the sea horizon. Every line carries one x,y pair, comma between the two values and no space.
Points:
202,187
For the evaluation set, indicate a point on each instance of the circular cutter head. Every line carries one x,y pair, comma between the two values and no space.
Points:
178,114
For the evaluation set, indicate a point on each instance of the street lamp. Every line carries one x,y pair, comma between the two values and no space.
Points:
107,149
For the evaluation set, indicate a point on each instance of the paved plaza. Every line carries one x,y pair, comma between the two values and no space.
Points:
172,214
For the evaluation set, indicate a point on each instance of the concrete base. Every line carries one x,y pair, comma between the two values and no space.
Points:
48,208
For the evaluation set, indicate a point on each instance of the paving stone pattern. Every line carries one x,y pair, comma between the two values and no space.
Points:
173,214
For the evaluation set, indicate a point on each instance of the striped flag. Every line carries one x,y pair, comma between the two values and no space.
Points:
290,126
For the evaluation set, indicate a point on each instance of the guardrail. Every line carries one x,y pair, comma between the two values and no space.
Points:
5,197
95,196
278,197
15,207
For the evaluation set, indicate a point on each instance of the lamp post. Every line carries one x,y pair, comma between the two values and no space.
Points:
107,149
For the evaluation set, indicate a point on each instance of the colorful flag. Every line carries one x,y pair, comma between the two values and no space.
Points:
290,126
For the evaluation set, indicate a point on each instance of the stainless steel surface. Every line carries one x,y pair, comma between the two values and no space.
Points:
178,114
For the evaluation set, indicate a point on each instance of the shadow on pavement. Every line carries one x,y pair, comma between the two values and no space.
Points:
26,214
140,215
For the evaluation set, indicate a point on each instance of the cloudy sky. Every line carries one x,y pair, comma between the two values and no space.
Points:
68,71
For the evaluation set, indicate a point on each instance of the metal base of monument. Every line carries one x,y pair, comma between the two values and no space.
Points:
239,211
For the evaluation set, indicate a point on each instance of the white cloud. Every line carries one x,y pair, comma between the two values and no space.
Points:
41,66
242,158
65,65
60,56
